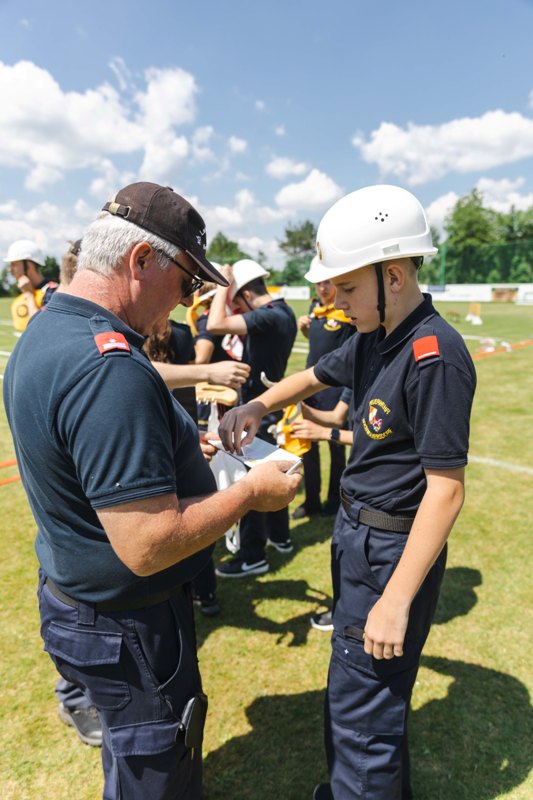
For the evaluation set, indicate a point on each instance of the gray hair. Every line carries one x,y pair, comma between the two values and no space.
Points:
108,239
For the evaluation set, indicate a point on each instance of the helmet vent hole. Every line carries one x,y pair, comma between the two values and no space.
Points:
381,217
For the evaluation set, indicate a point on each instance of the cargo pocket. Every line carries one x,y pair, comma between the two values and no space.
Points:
153,748
90,659
369,695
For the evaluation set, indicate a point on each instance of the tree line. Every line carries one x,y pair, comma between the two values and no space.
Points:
480,246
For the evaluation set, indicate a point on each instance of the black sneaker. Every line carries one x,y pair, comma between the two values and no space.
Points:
322,622
86,722
236,567
323,792
281,547
208,605
301,512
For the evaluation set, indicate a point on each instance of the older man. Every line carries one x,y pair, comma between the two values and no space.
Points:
124,500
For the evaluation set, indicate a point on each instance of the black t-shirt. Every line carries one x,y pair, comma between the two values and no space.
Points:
413,393
95,426
328,330
182,352
268,344
219,354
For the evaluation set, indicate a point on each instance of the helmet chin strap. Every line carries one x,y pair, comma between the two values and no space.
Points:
381,292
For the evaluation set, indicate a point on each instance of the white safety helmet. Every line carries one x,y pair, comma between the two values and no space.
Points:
25,250
371,225
245,271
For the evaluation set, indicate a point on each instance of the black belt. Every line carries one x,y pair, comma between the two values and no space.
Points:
379,519
114,605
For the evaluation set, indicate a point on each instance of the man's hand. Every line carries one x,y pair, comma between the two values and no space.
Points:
305,429
385,629
228,373
235,421
208,450
273,488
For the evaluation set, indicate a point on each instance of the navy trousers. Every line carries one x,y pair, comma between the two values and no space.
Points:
367,700
139,668
258,526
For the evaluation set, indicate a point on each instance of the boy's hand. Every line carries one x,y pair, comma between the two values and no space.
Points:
385,629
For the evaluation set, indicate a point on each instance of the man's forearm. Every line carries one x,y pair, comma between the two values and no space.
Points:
217,312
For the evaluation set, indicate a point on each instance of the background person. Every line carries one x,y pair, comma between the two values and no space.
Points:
123,497
413,382
327,328
26,259
269,328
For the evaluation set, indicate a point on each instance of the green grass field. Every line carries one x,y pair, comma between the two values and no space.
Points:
265,669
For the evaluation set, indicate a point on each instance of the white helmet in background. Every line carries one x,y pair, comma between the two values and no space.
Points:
245,271
371,225
25,250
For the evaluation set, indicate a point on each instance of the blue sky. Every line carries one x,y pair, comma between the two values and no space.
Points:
261,114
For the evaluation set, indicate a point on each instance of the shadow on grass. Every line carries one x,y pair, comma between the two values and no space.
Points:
241,608
457,595
473,744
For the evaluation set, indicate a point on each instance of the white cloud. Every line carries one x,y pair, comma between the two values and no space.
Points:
46,223
109,181
317,191
280,167
439,209
118,67
279,130
42,176
200,144
169,98
163,157
46,131
500,195
260,105
237,145
421,153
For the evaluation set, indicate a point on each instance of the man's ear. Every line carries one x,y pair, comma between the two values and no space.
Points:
137,259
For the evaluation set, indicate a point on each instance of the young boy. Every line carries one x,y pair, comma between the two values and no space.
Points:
403,486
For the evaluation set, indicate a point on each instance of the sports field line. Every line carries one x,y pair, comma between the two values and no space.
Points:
493,462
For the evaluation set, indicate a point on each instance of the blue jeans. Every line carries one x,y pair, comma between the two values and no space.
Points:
139,668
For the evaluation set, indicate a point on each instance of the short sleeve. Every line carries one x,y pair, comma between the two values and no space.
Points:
261,320
439,402
337,368
201,330
116,425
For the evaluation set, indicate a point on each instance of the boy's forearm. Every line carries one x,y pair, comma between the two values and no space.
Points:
433,523
290,390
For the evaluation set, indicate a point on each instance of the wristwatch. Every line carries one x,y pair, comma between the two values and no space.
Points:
335,435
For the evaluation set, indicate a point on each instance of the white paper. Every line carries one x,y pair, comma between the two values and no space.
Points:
259,452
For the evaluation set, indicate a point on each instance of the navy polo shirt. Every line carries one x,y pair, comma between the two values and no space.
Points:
93,430
326,331
268,344
413,393
219,354
181,347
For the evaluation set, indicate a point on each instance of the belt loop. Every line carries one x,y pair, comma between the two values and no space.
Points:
86,614
351,507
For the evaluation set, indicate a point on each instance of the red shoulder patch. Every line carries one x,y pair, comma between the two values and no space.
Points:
426,347
106,342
